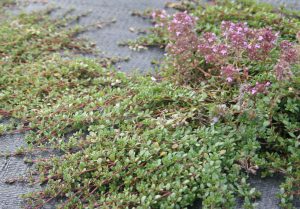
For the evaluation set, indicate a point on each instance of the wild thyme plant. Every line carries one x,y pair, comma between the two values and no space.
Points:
250,63
237,50
157,142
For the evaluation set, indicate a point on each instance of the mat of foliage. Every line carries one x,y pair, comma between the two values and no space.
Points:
194,132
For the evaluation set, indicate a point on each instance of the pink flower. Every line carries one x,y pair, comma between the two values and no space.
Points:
289,55
253,91
162,14
283,70
286,45
235,33
229,73
214,120
229,79
259,88
210,37
210,58
153,15
289,52
160,17
223,52
183,39
222,49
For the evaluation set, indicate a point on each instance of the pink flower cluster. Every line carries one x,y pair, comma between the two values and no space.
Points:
259,88
224,54
261,43
213,51
230,73
256,42
236,33
161,14
238,42
289,55
181,24
289,52
182,35
161,18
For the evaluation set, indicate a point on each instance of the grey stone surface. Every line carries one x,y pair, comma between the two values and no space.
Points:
10,143
11,168
294,4
107,40
269,188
